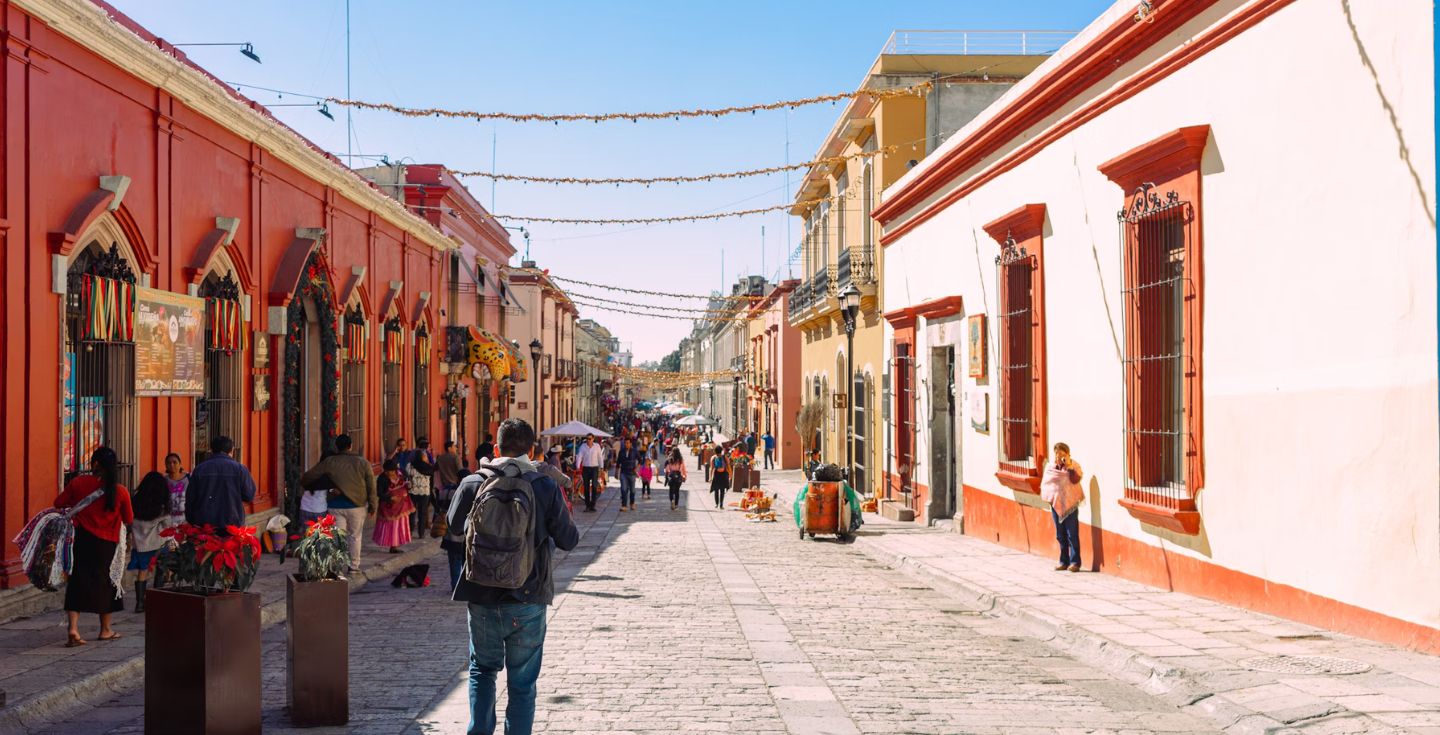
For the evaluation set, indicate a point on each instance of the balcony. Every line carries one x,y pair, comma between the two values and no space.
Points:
977,43
856,266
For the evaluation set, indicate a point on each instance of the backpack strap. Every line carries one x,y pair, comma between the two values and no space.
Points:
83,504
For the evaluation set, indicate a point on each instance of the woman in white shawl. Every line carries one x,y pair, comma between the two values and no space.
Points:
1060,487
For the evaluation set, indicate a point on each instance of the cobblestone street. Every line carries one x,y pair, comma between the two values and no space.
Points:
698,620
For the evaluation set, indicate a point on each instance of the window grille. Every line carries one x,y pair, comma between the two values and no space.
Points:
860,431
904,372
1155,234
422,382
221,410
98,403
1017,370
353,379
392,372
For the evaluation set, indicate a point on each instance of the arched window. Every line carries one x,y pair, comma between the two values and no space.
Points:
98,367
221,410
352,377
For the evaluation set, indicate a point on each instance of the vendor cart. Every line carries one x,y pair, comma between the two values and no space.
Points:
824,511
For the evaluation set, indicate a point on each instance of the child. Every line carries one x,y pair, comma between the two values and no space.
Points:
392,522
646,473
152,515
1060,487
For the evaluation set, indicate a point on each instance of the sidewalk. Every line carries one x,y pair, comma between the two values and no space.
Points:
46,682
1246,672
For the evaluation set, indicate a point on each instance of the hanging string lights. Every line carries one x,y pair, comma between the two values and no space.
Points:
668,294
915,90
647,181
653,220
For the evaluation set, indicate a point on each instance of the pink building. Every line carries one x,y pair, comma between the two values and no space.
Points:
773,374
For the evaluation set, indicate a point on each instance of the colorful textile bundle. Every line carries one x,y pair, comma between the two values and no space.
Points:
422,347
47,545
355,341
226,332
394,345
109,309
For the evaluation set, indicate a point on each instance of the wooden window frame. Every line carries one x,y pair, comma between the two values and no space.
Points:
1024,227
1170,163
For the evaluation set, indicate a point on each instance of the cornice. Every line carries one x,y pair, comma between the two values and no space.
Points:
1176,152
1021,223
88,25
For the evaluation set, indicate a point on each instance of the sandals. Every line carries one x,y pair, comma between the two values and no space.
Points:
74,641
112,637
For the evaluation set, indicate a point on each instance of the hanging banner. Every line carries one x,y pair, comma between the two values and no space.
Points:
169,344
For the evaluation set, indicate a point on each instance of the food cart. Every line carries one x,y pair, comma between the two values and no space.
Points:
824,511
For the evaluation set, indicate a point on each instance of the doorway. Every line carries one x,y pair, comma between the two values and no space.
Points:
944,498
312,434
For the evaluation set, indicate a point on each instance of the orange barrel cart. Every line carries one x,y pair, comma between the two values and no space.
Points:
823,510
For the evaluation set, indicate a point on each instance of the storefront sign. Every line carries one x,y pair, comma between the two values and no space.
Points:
977,346
261,393
260,349
169,344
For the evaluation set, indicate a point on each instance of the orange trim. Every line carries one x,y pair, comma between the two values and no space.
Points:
1025,528
932,309
1166,157
1025,112
1019,478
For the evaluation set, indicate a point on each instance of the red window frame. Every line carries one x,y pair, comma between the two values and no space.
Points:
903,377
1149,175
1020,234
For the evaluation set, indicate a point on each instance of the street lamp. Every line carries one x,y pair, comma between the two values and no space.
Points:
850,303
736,414
535,349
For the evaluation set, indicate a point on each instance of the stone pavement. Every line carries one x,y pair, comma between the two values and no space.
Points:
1199,654
698,620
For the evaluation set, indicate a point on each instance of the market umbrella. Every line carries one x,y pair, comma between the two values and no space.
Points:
575,428
697,421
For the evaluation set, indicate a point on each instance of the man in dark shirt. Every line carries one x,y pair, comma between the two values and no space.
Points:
507,627
486,450
627,461
219,488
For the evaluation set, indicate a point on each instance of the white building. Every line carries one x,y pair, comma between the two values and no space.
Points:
1199,247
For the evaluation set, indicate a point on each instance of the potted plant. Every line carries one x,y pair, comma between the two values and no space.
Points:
202,634
317,604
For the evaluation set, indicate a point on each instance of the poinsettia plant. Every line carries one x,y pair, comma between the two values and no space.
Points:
204,560
324,552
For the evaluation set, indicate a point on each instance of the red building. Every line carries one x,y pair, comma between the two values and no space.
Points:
178,264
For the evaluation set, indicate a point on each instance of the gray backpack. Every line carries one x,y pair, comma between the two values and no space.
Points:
500,531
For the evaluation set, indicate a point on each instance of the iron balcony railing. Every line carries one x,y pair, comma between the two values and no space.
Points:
842,270
976,43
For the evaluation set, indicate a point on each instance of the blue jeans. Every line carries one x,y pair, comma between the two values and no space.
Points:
627,490
1067,532
511,637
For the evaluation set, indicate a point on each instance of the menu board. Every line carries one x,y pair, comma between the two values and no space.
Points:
169,344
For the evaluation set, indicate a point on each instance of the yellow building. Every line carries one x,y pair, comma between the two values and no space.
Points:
884,138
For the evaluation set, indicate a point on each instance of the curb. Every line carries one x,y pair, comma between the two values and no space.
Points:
121,677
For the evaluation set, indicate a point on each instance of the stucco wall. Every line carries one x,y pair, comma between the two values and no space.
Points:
1319,353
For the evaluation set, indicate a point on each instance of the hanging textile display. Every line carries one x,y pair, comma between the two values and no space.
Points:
355,342
108,306
227,330
422,346
394,342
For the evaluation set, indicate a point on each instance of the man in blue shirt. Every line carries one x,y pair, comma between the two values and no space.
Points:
769,440
219,487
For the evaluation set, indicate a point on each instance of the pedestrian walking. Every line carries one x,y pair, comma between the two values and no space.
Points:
646,472
486,450
507,611
400,454
768,441
392,522
419,477
353,496
591,457
151,506
627,461
719,477
103,511
219,488
178,480
675,476
315,500
449,468
750,444
553,467
1060,487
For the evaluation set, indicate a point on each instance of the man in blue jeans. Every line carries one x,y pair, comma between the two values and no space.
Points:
507,626
628,462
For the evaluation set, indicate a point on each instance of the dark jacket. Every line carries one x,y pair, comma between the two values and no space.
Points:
628,460
219,487
553,527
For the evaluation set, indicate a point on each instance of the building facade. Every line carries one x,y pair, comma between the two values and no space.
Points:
772,376
593,346
546,322
1203,357
883,137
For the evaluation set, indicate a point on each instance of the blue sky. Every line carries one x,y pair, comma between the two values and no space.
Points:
588,57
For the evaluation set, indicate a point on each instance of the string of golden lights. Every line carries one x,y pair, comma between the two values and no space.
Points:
654,220
644,292
647,181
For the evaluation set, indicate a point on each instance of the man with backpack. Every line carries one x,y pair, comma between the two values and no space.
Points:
509,516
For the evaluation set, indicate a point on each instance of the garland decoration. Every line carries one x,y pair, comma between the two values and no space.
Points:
917,90
657,220
108,305
222,308
742,297
394,343
647,181
355,343
314,287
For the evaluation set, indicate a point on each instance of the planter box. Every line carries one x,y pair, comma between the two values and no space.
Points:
317,652
202,663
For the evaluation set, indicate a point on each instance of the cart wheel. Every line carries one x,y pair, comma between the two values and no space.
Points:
812,536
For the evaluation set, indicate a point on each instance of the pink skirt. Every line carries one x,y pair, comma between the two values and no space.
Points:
393,533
